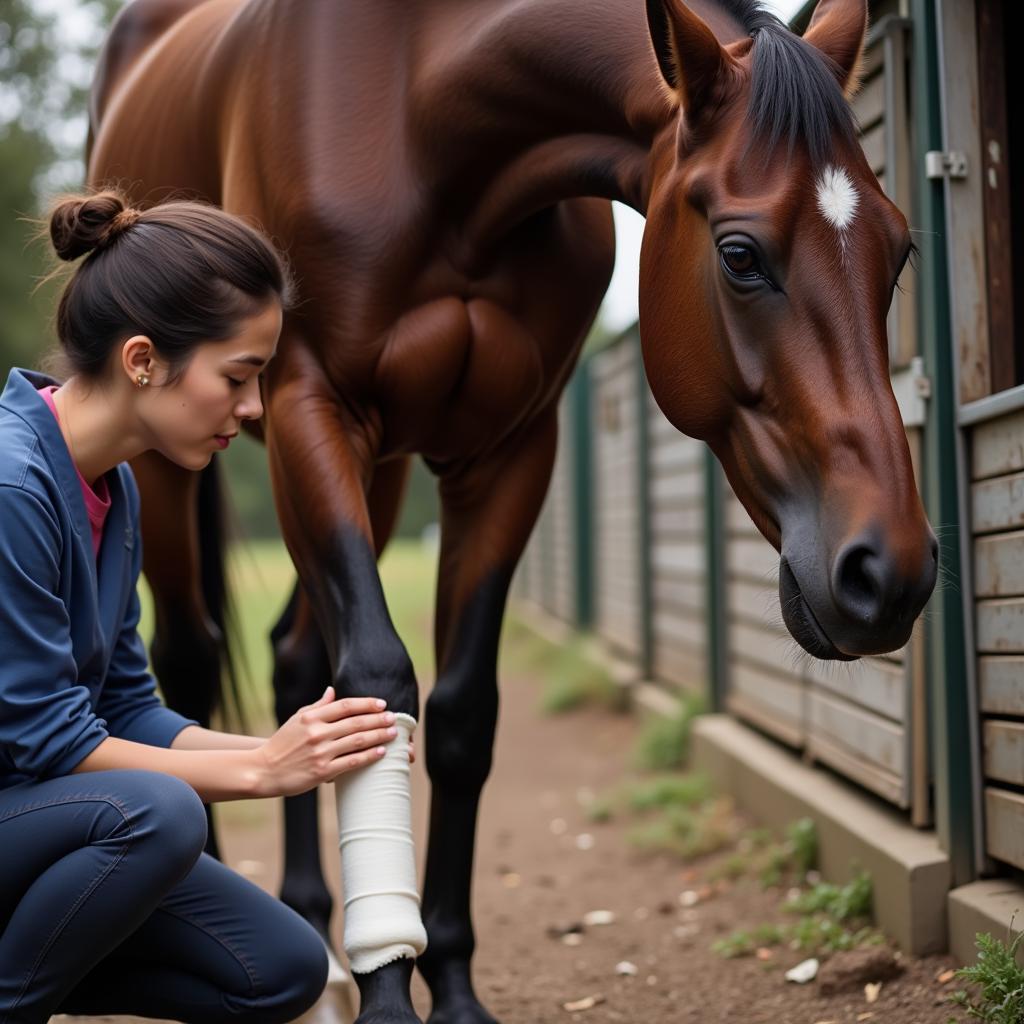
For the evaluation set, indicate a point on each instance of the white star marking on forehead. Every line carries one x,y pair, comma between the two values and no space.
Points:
837,198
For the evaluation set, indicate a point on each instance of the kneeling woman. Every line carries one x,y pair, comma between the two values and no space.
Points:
107,902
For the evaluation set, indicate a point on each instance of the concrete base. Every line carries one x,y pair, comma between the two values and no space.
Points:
985,906
911,874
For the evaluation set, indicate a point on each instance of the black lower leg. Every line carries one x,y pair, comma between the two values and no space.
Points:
462,713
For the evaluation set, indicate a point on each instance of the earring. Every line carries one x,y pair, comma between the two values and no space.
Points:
141,381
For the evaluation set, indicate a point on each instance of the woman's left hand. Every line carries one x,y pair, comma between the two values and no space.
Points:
412,752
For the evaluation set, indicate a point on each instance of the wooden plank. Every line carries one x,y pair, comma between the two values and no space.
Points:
1000,625
968,298
737,521
680,666
675,519
869,103
1003,751
863,733
1004,825
1001,685
681,558
758,602
999,565
998,235
765,646
885,784
772,701
752,559
871,683
997,447
998,504
678,453
686,629
676,485
677,591
873,144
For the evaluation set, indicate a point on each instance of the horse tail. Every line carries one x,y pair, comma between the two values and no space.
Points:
214,513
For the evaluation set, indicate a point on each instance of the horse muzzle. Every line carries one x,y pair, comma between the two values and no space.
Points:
869,603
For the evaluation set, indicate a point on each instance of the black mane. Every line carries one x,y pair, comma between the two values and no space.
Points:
794,92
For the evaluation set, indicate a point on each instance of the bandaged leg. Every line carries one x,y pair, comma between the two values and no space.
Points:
378,867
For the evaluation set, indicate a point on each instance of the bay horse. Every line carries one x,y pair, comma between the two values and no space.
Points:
439,174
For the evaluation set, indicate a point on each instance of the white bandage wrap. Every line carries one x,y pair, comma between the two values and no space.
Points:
378,864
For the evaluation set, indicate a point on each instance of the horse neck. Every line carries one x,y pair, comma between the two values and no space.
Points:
528,103
535,102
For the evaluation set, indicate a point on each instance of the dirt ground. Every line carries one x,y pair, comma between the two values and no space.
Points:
535,873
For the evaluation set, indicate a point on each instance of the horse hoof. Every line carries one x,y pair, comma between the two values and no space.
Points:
465,1012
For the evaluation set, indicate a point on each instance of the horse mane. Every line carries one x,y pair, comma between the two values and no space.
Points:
794,92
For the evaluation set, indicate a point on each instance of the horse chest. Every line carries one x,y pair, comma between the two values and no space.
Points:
457,376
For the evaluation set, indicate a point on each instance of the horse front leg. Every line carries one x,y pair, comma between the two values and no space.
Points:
487,514
321,466
301,670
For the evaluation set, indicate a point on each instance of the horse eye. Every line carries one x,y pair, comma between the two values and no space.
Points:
739,260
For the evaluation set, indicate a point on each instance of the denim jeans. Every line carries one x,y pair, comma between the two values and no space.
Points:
109,905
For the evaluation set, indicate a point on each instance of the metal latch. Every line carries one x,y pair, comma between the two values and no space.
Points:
945,165
912,387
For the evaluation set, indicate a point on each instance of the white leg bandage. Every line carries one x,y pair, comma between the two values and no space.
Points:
378,865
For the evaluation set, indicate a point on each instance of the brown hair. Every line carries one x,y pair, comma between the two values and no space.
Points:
182,273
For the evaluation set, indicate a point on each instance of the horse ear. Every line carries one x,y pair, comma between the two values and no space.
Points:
839,29
689,55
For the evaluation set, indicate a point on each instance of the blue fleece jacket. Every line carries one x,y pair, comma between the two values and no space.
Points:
73,668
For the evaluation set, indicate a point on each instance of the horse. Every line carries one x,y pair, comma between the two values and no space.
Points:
440,176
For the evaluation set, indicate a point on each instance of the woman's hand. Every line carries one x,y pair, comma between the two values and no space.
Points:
322,741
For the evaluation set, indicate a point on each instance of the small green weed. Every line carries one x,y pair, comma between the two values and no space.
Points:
688,832
999,981
571,678
670,791
797,854
665,743
841,902
832,918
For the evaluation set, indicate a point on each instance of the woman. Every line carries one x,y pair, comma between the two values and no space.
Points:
107,902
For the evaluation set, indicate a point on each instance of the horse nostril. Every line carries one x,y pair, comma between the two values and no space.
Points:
859,583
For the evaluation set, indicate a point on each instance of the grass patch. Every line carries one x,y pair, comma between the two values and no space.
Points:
570,678
830,918
665,742
669,791
997,979
688,832
794,856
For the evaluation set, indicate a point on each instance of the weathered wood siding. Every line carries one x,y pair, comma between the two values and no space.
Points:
615,412
997,525
676,502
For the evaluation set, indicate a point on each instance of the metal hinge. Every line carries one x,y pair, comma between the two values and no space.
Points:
945,165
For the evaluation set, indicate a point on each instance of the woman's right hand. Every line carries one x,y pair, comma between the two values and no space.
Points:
322,741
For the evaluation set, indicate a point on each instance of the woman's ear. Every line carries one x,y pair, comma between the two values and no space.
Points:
138,357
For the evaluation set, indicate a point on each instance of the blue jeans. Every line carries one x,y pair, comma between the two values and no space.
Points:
109,905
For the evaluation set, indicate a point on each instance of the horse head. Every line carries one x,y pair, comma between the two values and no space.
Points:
768,265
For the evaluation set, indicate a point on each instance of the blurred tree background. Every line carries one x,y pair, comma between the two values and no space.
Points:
48,49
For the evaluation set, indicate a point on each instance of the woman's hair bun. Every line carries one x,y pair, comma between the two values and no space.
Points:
81,223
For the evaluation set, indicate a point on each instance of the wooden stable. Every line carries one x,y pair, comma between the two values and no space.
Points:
667,569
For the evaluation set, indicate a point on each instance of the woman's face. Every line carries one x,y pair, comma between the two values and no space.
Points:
196,415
